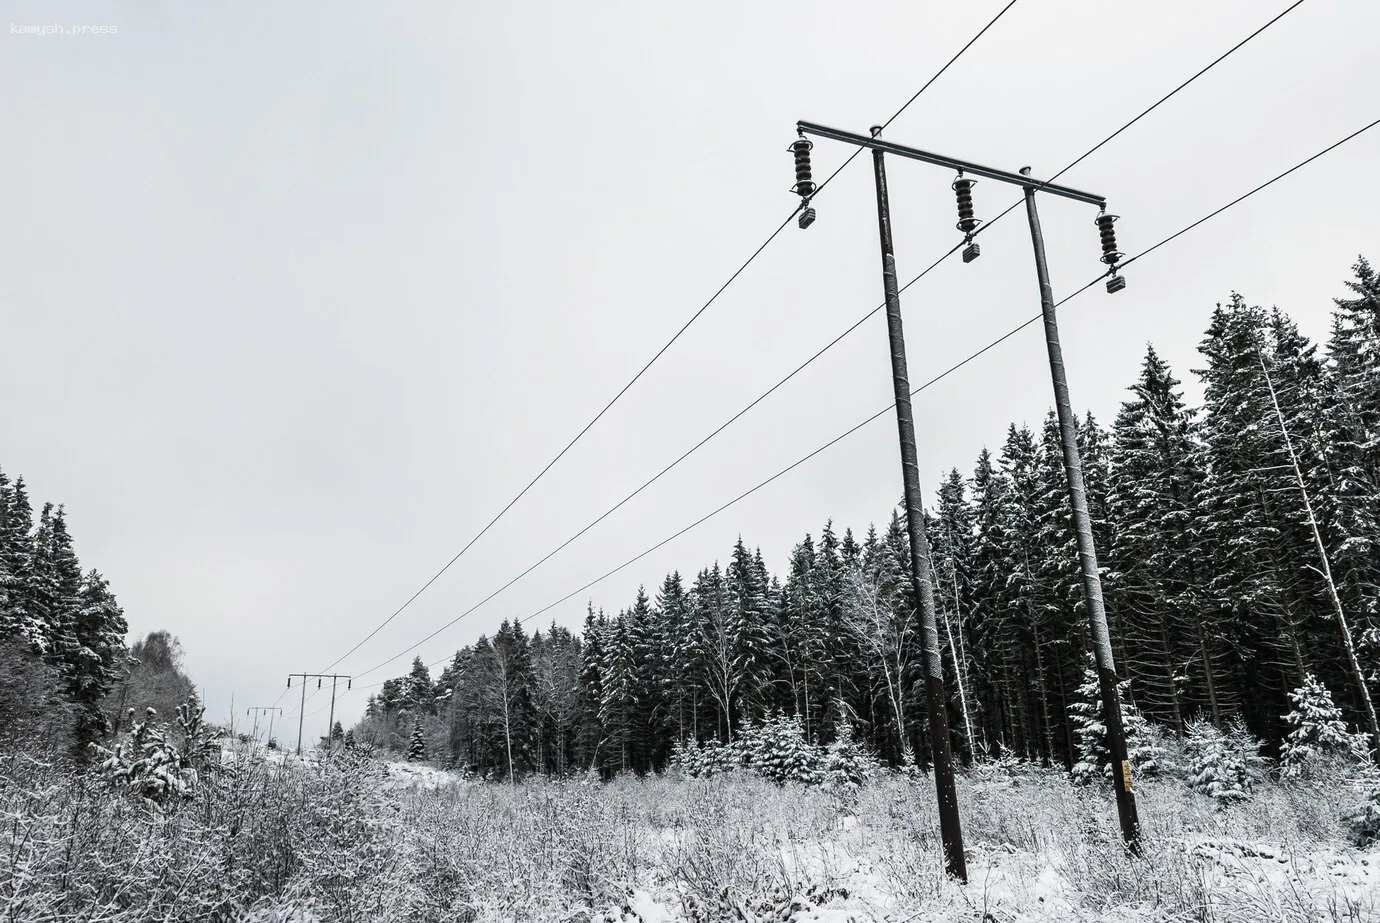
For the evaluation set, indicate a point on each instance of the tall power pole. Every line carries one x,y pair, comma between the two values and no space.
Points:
950,829
301,710
1073,468
1087,551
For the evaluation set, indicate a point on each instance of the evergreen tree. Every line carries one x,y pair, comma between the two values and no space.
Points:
416,747
1222,764
716,651
1247,504
673,656
17,617
592,687
619,692
98,627
1094,756
747,628
1156,573
1318,729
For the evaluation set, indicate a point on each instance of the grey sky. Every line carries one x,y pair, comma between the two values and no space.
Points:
298,296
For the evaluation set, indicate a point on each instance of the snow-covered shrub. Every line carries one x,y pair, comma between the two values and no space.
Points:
1319,732
777,750
1003,771
1143,746
147,763
1363,821
1222,764
152,766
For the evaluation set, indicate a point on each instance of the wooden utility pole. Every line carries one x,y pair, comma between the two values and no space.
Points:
1087,551
333,677
921,567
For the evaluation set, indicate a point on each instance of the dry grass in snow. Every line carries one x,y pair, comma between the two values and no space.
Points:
354,840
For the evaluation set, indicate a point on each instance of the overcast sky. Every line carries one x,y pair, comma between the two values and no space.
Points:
298,296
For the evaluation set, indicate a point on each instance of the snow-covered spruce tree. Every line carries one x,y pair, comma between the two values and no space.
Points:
1157,571
777,751
416,748
1090,732
1222,764
696,760
685,758
1318,730
847,764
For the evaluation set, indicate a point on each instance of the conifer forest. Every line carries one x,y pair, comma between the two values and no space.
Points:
1218,594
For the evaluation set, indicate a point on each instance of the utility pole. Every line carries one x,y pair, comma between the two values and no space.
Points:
921,567
1087,551
1087,554
301,716
256,711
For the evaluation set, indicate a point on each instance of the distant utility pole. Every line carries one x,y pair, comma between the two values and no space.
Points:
258,710
936,699
334,678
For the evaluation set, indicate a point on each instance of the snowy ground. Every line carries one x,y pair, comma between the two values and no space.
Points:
1233,881
353,840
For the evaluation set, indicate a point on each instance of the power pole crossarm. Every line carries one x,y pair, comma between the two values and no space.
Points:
953,163
301,711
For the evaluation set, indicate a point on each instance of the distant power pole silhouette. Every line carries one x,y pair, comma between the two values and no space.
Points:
256,711
301,710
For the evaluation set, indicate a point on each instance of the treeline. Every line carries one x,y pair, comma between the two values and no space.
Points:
1217,591
62,633
66,675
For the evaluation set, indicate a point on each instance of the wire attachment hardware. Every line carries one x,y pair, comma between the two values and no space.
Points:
963,189
804,184
1110,254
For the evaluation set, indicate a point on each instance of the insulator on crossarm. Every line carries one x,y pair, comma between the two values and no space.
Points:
804,184
963,189
1110,254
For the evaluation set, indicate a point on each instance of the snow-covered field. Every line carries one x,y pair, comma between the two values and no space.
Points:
355,840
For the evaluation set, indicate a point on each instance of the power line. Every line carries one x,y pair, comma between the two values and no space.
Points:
942,375
856,324
694,317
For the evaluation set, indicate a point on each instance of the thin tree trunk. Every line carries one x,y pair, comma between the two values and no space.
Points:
1357,675
1044,697
1169,675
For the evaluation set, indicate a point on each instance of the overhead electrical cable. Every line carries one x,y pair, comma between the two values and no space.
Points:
941,376
840,337
694,317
